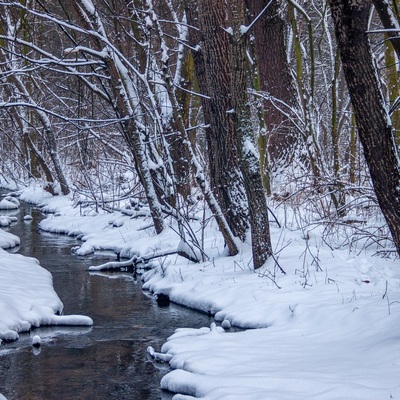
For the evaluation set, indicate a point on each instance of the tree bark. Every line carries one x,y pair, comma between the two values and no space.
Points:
42,162
249,157
374,127
212,64
275,77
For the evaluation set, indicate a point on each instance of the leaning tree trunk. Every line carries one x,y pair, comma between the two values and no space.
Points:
124,86
374,126
42,162
389,22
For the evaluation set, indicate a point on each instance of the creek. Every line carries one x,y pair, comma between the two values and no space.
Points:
106,361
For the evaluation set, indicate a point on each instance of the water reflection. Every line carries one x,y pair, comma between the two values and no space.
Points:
106,361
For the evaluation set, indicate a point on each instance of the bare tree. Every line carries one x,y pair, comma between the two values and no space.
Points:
21,90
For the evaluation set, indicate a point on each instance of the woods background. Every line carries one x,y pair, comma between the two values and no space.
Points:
185,105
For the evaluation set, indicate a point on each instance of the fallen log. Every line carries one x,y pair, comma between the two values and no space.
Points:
131,264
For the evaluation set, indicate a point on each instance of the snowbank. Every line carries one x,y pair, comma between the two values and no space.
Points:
8,240
27,297
327,329
7,220
288,362
129,234
9,203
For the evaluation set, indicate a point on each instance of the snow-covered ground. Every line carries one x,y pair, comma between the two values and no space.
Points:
329,328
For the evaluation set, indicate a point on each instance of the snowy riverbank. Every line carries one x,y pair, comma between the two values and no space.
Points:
326,329
27,297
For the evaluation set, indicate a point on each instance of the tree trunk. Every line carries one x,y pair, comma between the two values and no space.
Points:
249,157
275,77
200,175
124,85
374,128
39,158
213,70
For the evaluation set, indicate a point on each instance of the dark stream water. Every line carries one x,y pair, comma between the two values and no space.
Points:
106,361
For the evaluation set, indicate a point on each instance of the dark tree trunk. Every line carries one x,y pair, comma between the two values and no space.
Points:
212,64
199,174
275,77
374,127
42,162
221,68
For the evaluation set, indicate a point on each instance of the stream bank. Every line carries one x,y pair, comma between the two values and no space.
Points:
106,361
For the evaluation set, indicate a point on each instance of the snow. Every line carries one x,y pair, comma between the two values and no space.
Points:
8,240
190,250
243,29
83,250
229,30
6,204
27,297
293,363
36,341
13,200
4,221
328,329
226,324
88,6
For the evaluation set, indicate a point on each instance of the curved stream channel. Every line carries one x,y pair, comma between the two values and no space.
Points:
106,361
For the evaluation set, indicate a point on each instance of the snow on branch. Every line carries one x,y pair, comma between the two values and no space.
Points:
394,30
131,264
104,122
244,29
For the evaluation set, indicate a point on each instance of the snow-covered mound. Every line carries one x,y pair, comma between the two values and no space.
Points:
8,240
9,203
27,297
4,221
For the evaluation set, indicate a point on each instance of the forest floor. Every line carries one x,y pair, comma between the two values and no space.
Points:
321,321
